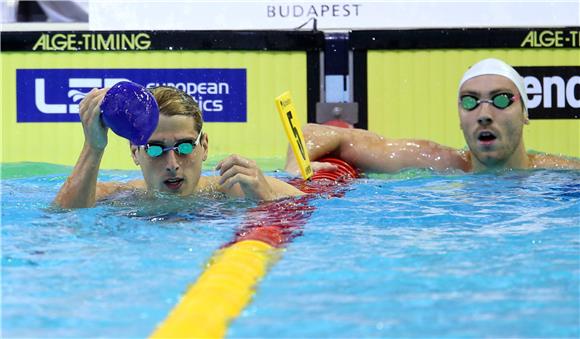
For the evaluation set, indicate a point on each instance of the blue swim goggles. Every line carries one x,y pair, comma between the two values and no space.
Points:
182,147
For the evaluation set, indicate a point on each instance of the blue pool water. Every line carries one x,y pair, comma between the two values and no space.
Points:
411,255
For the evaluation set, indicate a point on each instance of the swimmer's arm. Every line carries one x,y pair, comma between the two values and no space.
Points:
550,161
282,189
80,188
320,141
371,152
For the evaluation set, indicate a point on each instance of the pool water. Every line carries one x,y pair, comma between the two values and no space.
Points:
410,255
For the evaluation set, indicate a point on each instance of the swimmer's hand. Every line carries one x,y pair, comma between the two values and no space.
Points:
90,113
239,170
292,167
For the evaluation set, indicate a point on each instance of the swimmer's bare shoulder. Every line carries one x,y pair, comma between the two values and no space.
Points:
551,161
106,189
209,184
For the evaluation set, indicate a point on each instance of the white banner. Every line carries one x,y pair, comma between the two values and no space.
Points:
329,15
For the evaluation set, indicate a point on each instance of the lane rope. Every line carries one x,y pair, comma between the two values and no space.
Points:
234,271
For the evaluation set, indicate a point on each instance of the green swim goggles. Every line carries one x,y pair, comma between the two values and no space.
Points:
500,100
182,147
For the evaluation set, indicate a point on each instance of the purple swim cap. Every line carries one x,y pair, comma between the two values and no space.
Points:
131,111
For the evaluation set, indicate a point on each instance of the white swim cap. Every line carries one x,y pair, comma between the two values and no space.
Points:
497,67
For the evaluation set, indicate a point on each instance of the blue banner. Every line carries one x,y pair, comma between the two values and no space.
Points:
53,95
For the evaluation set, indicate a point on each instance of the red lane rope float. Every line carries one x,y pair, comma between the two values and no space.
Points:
229,281
277,222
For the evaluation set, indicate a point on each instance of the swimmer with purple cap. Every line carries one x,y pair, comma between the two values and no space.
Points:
492,106
170,154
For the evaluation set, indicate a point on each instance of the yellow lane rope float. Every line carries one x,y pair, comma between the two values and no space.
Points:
220,293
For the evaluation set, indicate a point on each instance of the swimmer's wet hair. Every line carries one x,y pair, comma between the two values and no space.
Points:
173,101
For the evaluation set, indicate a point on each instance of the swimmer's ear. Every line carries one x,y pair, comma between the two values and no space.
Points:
204,143
134,150
525,114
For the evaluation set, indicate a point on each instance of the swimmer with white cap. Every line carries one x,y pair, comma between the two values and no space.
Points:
492,105
492,113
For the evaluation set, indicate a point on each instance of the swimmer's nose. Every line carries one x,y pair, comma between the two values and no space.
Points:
484,117
484,120
171,165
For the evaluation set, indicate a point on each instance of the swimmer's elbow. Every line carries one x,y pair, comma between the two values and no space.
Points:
292,169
